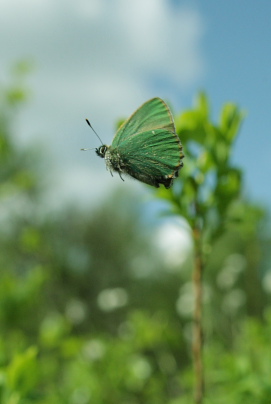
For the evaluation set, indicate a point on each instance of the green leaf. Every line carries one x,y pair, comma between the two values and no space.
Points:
22,371
230,120
202,104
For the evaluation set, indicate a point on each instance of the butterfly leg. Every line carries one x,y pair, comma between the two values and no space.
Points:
120,176
119,168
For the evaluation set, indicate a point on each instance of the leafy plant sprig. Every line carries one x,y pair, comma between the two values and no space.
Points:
206,195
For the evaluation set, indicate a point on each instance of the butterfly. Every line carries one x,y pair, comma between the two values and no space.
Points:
146,146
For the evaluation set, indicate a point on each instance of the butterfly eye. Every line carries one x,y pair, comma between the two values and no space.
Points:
101,151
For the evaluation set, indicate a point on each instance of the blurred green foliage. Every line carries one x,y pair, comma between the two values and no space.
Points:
210,185
90,313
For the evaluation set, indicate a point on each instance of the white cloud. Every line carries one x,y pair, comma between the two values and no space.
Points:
97,59
174,240
90,9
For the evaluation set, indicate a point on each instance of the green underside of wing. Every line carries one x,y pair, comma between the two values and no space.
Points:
156,154
154,114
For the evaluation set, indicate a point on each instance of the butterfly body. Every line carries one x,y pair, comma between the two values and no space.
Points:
146,146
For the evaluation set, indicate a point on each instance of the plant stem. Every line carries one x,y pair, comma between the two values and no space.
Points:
198,329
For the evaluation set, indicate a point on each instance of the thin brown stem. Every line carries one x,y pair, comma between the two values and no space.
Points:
198,329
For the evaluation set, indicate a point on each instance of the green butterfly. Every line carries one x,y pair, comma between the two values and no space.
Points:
146,146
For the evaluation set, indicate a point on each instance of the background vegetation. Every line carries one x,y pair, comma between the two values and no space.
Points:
89,313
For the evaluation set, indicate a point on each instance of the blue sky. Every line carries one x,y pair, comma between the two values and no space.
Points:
101,59
237,49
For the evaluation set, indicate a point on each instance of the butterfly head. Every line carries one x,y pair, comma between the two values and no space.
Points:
101,151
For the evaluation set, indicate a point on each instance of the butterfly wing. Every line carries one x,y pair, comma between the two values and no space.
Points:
147,147
153,114
154,156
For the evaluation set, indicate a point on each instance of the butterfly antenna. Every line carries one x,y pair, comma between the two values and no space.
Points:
94,132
